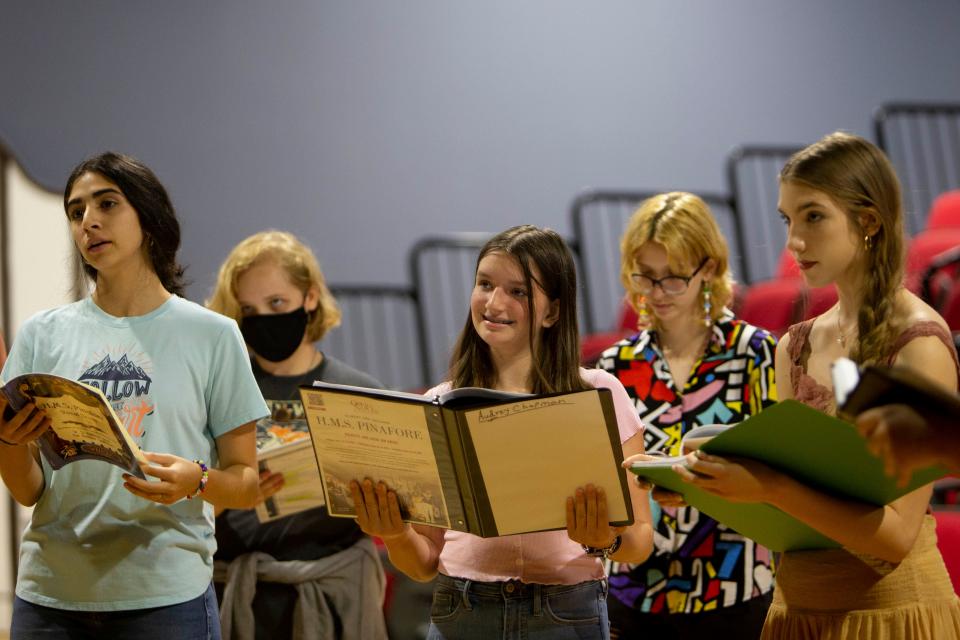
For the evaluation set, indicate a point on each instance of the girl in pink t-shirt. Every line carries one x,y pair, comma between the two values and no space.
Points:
520,336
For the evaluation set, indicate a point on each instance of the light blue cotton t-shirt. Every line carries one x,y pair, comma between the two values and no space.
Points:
178,377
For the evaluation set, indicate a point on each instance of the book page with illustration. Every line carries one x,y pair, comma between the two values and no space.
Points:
84,425
357,437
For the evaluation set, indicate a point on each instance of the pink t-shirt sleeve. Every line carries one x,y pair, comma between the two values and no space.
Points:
628,420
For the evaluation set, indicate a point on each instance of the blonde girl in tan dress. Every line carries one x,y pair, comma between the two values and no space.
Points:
840,200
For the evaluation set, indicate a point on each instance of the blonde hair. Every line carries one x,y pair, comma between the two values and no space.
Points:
297,261
860,179
684,225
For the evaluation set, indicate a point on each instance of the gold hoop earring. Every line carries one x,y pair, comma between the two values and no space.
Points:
867,243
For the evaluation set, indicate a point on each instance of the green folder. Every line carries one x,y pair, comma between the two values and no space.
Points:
819,450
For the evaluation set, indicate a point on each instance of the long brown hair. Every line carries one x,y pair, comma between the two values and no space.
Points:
859,177
556,359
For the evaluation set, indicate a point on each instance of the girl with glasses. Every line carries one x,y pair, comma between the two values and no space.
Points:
692,363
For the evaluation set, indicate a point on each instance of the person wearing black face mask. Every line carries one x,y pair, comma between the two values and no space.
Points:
271,284
276,336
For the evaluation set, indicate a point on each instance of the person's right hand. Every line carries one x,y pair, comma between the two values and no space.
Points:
378,510
667,498
664,497
22,427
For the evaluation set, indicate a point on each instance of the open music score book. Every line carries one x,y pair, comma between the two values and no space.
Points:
475,460
819,450
84,425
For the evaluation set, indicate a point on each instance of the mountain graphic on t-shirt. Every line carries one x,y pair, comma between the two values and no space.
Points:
108,369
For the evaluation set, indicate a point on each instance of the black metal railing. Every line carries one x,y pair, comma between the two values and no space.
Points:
753,173
922,141
378,334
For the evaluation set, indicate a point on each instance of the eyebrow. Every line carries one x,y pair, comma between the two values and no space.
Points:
667,274
810,204
517,283
96,194
266,298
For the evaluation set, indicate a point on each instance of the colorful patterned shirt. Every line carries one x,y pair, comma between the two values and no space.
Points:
698,564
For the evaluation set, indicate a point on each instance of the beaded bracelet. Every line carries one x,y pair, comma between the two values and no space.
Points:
204,476
603,552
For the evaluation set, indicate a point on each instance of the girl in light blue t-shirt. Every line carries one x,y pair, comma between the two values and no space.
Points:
107,554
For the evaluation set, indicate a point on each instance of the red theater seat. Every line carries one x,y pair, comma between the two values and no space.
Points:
772,305
951,310
922,250
593,345
948,541
787,267
945,211
816,301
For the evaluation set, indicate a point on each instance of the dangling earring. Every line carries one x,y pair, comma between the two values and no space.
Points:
643,315
707,306
867,243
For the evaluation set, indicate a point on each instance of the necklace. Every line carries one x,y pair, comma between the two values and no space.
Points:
841,338
679,357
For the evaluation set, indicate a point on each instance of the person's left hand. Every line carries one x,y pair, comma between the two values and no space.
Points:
663,497
588,520
178,477
734,479
270,483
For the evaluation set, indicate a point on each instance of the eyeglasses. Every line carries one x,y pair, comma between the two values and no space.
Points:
670,285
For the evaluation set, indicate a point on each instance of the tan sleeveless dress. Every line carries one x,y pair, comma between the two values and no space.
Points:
837,594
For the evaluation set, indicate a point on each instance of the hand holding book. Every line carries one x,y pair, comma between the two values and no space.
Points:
23,426
378,510
587,514
78,424
906,441
462,460
690,442
908,422
178,478
733,479
787,440
663,497
588,519
270,483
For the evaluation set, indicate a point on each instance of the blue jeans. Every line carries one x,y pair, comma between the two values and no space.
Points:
467,610
195,619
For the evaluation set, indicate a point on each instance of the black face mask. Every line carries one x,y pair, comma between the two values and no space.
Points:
275,337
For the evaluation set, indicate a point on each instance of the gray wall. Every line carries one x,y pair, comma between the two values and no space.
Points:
364,125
